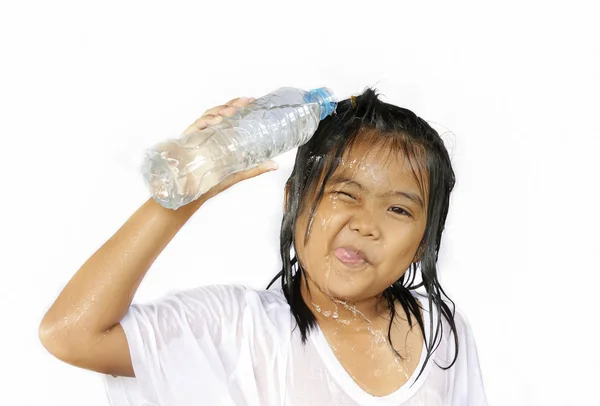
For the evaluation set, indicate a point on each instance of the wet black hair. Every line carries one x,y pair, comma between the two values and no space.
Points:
365,118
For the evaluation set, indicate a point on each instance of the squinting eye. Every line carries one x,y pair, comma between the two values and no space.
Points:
344,193
398,210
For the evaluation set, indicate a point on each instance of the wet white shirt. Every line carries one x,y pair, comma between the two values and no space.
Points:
232,345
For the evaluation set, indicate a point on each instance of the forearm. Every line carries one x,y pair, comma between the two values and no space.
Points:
99,294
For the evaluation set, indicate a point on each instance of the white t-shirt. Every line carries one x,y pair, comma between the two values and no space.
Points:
232,345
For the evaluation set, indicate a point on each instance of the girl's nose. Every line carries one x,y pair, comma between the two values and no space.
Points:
365,223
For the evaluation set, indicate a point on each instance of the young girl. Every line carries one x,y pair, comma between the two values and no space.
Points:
365,207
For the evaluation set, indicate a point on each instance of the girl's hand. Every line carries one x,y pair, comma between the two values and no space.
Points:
214,116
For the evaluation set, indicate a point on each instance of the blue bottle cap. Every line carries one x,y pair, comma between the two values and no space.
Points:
326,100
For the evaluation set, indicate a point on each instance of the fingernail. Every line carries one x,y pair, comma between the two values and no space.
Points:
271,165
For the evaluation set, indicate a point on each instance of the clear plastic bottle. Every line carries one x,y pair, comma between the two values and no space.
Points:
178,171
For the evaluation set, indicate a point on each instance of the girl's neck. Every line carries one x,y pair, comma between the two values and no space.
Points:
332,312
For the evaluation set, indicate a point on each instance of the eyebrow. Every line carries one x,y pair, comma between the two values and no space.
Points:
415,198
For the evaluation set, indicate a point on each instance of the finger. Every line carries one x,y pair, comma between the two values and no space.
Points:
228,111
235,106
230,105
210,116
267,166
211,119
242,101
230,102
215,110
203,122
236,177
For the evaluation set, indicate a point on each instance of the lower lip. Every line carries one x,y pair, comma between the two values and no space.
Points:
352,263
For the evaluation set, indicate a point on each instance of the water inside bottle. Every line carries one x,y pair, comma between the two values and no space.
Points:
178,171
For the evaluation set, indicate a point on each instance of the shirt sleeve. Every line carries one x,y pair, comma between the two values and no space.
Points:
184,348
466,383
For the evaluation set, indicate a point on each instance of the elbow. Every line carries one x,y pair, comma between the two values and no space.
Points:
56,341
50,339
68,344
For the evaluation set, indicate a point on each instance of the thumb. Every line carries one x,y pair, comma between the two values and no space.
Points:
264,167
236,177
269,165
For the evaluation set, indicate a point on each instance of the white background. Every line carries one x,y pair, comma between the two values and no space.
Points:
86,86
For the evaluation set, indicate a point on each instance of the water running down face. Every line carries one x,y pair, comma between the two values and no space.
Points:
365,234
366,229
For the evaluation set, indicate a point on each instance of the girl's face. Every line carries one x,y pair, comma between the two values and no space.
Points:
366,207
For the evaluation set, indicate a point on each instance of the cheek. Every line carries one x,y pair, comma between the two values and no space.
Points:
325,226
327,222
397,260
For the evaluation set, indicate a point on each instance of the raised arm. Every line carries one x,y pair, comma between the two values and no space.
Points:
82,327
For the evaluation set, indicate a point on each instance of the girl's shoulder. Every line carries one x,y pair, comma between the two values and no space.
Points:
234,292
231,309
244,298
271,297
223,303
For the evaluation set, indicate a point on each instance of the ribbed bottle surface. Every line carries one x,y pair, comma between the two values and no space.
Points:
178,171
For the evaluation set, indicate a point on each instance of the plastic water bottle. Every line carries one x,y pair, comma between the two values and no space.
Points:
180,170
